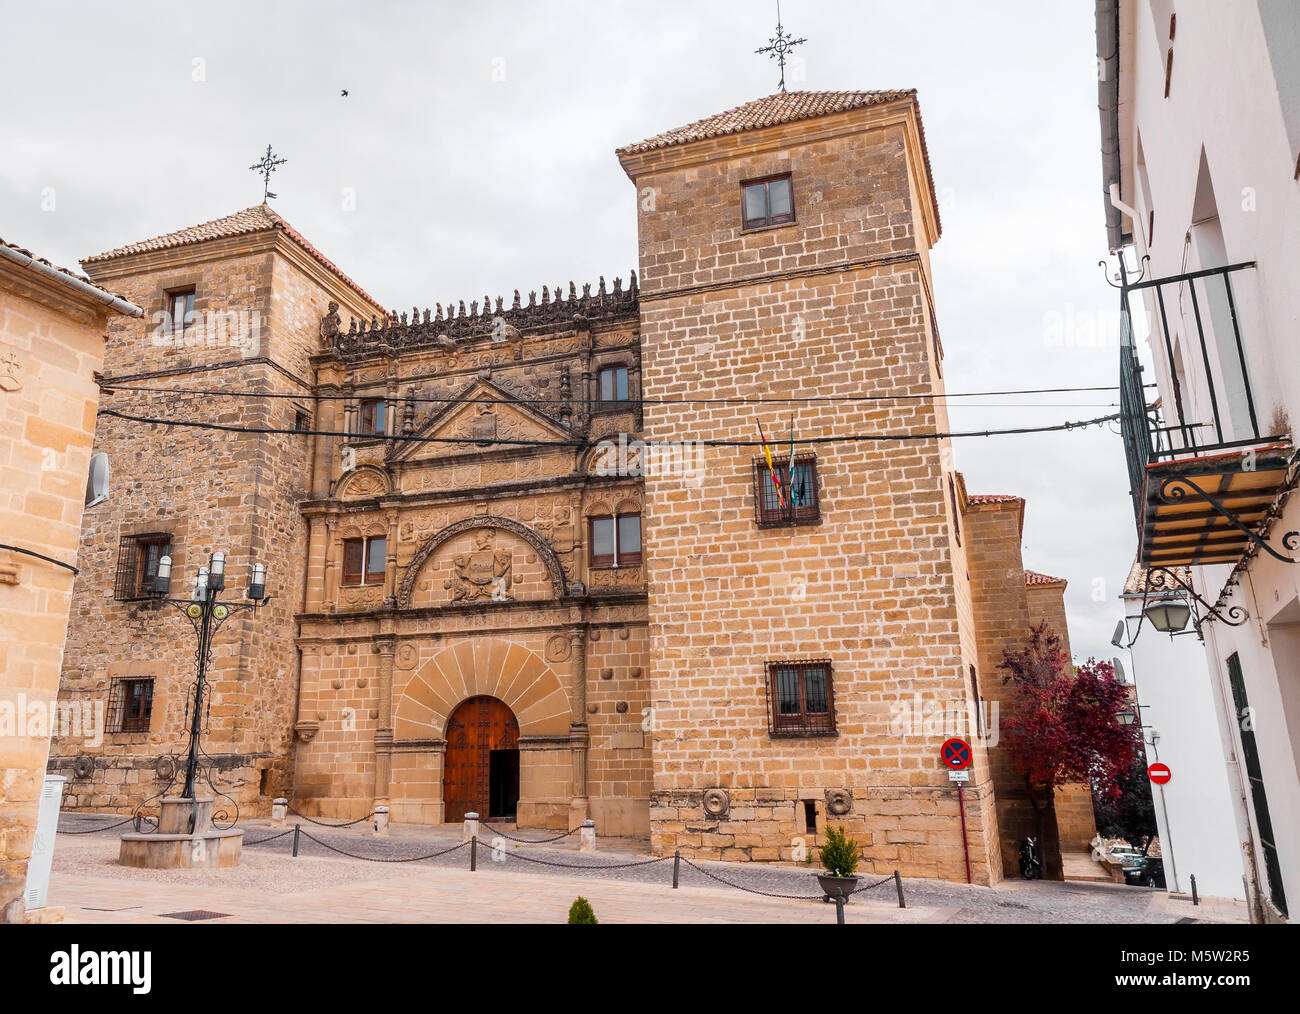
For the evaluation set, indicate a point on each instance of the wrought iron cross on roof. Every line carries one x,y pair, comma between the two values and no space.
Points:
264,168
780,44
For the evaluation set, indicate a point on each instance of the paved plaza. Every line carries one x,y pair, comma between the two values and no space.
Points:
534,883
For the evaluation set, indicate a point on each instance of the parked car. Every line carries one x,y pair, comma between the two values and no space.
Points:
1120,854
1143,871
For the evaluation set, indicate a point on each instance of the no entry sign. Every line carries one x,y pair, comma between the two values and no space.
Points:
955,754
1159,773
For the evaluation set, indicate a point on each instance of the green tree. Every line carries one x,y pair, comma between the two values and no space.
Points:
580,913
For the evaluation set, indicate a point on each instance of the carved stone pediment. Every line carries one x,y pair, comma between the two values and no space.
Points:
483,416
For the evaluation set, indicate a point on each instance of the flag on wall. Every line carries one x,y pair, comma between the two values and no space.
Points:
771,468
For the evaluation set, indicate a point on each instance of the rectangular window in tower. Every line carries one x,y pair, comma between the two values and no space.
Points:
801,698
802,505
767,202
180,309
616,541
130,705
371,418
137,565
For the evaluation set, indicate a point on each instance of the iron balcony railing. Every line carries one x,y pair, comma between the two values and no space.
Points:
1195,315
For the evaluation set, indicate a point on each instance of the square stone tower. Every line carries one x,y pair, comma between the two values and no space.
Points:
232,305
796,648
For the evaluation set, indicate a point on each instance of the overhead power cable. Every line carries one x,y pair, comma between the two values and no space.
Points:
507,441
110,388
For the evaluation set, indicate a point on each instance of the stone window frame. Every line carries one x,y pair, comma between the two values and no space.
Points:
804,723
127,581
367,577
615,560
169,294
372,433
301,419
118,700
598,404
766,516
758,225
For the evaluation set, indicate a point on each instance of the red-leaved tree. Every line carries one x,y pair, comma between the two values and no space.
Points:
1063,728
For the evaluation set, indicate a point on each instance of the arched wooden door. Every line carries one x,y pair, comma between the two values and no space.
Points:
480,771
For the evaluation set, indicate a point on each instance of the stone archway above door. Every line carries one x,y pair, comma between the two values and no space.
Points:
482,667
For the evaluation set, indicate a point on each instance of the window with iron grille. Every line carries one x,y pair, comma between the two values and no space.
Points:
137,564
365,560
802,504
130,704
767,202
301,420
800,698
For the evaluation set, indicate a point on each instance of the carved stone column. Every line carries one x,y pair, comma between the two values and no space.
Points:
314,599
333,547
390,560
579,736
385,645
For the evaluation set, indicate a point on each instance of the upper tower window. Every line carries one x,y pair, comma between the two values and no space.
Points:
180,308
768,202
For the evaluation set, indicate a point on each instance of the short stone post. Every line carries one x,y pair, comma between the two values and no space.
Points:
839,906
587,836
898,883
381,820
279,811
471,827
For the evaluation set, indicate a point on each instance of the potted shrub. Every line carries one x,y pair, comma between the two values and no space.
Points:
839,857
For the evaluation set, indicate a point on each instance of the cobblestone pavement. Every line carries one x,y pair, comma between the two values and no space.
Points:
322,884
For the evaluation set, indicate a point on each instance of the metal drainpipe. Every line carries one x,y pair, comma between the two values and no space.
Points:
26,260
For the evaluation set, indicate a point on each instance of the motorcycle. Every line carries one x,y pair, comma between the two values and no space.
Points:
1031,864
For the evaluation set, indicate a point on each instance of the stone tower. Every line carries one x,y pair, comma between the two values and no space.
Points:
784,253
231,305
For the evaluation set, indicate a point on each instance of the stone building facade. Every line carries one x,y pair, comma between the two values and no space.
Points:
527,558
52,325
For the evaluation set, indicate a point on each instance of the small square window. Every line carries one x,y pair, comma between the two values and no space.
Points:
795,501
616,541
130,705
801,699
301,421
767,202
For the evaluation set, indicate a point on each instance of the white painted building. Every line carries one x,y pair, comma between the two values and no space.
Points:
1181,728
1200,125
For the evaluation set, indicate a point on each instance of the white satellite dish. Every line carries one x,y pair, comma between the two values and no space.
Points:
97,480
1119,669
1117,638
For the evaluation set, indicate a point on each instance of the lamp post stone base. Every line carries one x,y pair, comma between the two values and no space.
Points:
174,846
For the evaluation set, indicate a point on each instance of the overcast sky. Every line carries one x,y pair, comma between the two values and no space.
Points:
477,142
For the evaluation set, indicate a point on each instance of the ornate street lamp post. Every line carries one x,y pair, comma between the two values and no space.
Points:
206,615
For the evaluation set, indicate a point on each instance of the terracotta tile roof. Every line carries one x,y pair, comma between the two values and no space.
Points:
1033,577
785,107
982,498
259,218
61,270
1135,584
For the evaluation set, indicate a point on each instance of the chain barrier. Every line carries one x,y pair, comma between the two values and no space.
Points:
528,841
752,890
105,827
583,866
323,823
260,841
867,887
374,859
